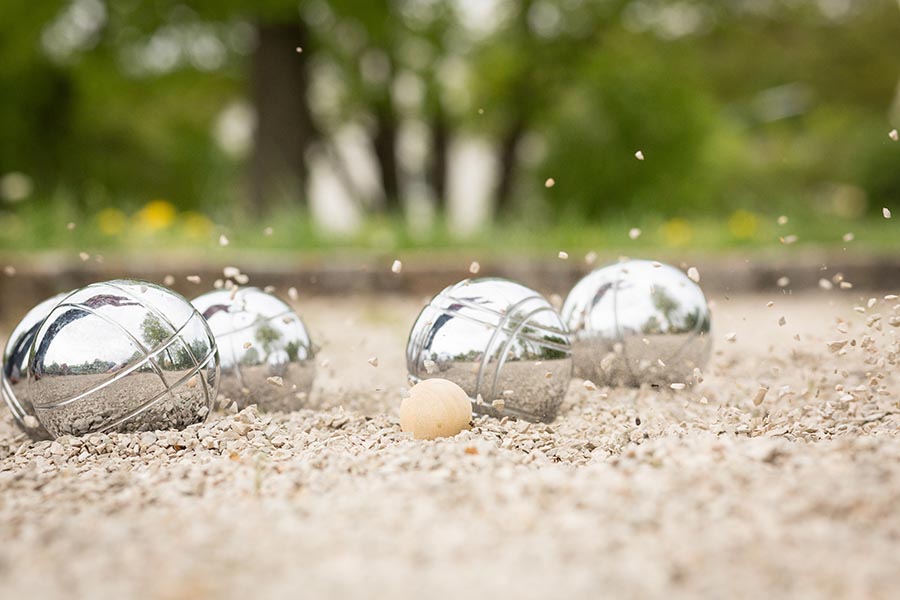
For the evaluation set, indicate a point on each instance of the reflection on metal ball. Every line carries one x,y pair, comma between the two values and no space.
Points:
15,359
502,342
638,322
266,353
124,356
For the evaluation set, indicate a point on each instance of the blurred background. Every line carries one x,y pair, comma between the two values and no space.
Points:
493,125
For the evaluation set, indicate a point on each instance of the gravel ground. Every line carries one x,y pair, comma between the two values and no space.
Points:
715,491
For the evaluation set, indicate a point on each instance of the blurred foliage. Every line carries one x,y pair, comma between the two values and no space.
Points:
38,226
118,115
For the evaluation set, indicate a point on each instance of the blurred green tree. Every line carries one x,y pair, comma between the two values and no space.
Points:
733,104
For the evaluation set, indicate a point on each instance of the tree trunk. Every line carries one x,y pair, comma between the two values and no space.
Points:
437,168
522,102
509,147
384,143
284,126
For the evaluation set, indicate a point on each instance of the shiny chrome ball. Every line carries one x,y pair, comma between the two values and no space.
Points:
638,322
15,362
266,353
502,342
122,355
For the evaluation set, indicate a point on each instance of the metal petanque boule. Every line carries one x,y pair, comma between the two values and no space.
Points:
15,363
266,353
123,355
502,342
638,322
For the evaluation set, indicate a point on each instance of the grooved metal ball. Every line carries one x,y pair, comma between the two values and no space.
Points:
266,352
122,355
638,322
15,363
500,341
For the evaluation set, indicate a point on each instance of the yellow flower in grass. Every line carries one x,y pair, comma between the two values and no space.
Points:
743,224
111,221
156,215
677,232
196,225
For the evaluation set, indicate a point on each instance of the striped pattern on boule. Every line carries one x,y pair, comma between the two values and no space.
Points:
490,336
122,355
